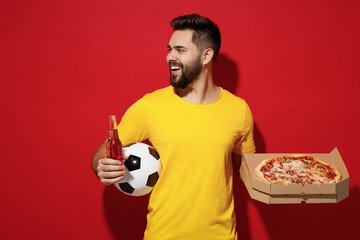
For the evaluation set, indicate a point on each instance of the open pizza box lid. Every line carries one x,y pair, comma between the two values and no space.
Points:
294,193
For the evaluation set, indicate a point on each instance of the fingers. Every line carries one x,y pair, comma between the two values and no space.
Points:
110,171
109,168
111,181
108,178
109,161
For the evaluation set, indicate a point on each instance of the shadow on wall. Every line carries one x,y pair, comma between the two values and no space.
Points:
225,73
126,215
331,221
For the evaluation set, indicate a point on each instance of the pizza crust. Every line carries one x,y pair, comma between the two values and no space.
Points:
258,172
337,178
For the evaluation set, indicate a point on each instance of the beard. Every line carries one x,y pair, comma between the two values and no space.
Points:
188,74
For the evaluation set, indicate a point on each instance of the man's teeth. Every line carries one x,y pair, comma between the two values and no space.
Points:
175,68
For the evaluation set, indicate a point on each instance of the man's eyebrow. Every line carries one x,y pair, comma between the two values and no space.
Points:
176,47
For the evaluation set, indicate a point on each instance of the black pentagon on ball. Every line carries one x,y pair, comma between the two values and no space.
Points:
126,187
152,179
132,163
154,153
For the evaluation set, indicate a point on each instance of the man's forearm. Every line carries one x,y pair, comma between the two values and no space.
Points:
99,153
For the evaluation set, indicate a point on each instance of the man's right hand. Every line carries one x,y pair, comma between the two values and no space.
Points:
110,171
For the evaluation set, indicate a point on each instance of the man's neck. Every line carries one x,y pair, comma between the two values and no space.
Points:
201,91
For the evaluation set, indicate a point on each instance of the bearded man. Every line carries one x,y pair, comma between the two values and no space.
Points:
198,129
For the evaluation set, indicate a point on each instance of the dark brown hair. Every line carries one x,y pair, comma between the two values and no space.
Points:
206,32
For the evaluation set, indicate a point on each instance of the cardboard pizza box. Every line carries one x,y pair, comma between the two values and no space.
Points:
294,193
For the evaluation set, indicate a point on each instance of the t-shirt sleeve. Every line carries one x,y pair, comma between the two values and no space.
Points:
132,127
245,144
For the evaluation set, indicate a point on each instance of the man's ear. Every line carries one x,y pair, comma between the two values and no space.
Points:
207,55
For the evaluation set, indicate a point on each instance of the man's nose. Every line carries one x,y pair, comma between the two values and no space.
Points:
171,56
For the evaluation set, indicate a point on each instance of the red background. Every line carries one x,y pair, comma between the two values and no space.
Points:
66,65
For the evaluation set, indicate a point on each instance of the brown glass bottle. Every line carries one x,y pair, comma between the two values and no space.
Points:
113,144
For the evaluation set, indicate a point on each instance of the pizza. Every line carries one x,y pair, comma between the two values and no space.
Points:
299,169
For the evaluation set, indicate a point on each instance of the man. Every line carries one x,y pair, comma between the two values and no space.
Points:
196,127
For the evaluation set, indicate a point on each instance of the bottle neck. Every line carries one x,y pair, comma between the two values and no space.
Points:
113,133
112,122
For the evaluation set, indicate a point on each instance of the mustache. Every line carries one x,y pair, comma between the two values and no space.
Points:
175,64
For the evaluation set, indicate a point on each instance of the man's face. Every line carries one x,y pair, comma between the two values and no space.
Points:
184,59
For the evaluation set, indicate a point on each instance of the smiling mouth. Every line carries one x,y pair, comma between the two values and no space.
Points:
175,70
175,66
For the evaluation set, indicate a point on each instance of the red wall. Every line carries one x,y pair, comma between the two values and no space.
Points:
66,65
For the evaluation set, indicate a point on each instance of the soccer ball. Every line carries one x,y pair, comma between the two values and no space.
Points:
142,169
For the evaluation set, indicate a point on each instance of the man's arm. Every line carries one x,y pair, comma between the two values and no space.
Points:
108,170
100,152
245,144
132,128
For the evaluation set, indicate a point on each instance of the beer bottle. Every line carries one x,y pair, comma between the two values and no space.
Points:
113,144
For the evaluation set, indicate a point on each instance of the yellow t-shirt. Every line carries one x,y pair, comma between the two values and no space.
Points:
193,197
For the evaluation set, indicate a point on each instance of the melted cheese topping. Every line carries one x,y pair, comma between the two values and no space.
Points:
301,171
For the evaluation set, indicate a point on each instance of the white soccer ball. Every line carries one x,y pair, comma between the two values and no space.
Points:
142,169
